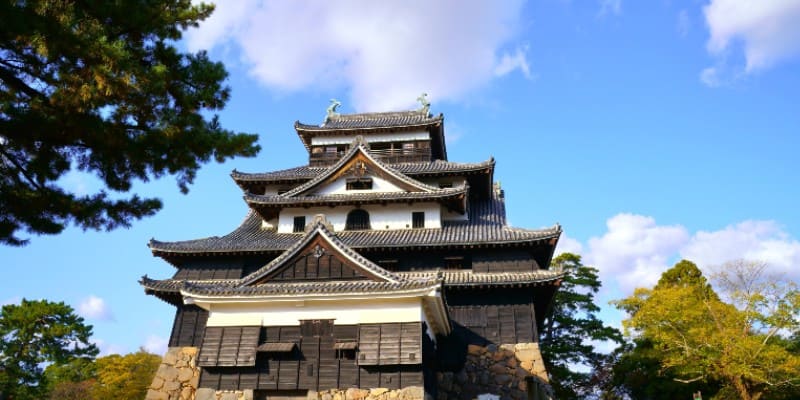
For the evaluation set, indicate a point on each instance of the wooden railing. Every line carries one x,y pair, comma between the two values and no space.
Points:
385,155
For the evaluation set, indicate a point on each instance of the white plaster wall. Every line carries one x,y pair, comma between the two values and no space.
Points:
339,186
393,216
376,137
289,313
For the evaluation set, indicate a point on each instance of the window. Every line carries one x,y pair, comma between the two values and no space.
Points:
408,148
445,185
453,262
417,219
356,220
299,224
316,327
359,184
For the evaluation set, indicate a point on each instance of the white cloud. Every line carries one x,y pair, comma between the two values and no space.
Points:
108,348
94,307
767,30
384,53
610,7
751,240
156,344
634,251
710,77
567,244
510,63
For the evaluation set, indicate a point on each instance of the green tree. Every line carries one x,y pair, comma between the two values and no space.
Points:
34,333
125,377
571,329
701,338
100,87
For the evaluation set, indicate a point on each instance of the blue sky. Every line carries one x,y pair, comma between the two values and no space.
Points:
650,130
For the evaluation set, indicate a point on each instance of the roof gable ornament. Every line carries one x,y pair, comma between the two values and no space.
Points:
331,111
319,219
425,105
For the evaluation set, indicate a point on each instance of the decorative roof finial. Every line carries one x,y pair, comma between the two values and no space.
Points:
425,105
332,110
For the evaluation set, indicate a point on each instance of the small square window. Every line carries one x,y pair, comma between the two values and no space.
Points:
417,219
359,184
299,224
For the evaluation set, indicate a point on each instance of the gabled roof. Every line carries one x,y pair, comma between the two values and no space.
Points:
411,169
359,152
318,229
357,159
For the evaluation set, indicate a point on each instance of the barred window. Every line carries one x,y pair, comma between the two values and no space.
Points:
356,220
418,219
299,224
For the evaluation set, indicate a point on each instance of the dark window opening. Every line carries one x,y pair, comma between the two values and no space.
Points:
453,262
391,265
356,220
299,224
359,184
445,185
316,327
417,219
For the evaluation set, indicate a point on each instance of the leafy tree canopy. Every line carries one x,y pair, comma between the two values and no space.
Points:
125,377
34,333
573,328
100,87
700,338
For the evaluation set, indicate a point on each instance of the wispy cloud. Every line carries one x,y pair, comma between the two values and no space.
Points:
610,7
94,307
766,31
156,344
383,53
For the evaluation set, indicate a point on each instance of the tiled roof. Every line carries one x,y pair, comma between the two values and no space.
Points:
412,169
307,288
373,120
284,200
469,278
486,226
408,280
318,228
359,146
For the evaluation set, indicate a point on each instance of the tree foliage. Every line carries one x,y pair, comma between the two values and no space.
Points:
701,338
572,329
125,377
100,87
34,333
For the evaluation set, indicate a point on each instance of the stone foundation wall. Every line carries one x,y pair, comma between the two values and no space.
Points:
509,371
408,393
177,376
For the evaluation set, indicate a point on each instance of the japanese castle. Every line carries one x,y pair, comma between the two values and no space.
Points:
379,270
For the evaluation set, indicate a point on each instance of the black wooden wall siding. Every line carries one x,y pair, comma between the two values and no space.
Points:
315,364
188,326
311,267
230,346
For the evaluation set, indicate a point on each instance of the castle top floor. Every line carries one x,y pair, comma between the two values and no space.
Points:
393,137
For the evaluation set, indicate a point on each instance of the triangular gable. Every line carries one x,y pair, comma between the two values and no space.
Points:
359,162
319,255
